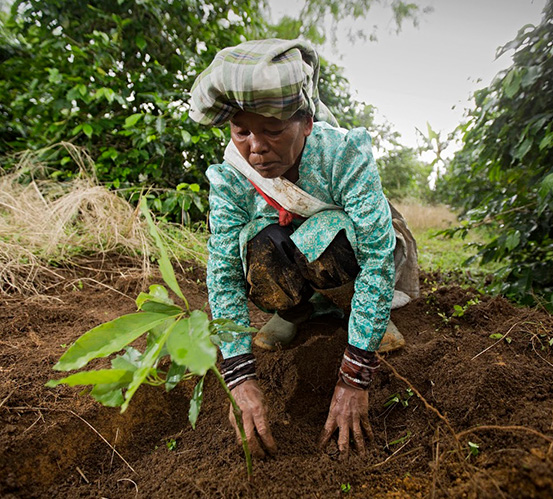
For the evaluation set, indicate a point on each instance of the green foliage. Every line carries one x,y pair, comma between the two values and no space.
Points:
399,399
178,335
313,14
474,450
503,176
114,77
403,175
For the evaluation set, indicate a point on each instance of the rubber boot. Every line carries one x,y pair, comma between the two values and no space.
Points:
275,332
392,339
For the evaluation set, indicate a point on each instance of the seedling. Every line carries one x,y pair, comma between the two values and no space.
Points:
184,337
400,440
171,444
474,450
398,398
499,336
345,488
459,311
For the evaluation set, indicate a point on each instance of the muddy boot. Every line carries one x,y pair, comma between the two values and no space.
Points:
276,331
392,339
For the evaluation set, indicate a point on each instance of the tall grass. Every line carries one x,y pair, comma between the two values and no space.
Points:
46,224
437,252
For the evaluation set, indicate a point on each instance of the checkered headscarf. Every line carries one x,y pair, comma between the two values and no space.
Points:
274,78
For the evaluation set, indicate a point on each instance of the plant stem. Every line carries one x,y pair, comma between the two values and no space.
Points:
239,423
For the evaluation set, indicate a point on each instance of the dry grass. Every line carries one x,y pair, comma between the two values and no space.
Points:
44,221
421,218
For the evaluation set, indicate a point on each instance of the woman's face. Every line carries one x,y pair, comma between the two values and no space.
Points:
271,146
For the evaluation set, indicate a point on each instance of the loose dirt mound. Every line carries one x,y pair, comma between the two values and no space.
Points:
451,385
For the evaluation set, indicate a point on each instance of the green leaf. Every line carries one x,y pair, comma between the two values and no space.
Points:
161,308
196,402
130,360
110,395
546,141
174,375
523,148
511,84
132,120
496,336
546,186
157,301
87,129
186,137
140,42
93,378
218,133
165,266
160,125
513,240
474,449
149,358
190,345
107,338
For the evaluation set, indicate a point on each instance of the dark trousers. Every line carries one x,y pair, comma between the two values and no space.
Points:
281,279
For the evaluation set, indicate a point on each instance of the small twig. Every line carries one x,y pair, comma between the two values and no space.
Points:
9,344
129,480
83,420
436,463
419,395
498,341
505,428
102,437
536,352
35,422
394,456
6,398
98,283
113,453
82,474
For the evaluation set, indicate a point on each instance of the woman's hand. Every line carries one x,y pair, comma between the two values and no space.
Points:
349,412
249,398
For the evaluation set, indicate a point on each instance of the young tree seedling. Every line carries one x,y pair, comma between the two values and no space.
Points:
187,337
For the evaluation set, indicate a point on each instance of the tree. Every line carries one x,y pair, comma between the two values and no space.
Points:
503,175
114,76
403,174
311,22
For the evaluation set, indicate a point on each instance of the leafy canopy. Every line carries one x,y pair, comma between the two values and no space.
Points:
503,175
114,77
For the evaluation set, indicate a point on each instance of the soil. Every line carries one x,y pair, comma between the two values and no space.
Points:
455,413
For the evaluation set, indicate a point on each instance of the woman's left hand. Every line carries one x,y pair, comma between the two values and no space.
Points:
349,412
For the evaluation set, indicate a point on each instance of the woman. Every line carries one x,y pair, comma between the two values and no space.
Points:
297,216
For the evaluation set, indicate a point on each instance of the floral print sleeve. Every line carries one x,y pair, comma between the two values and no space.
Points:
225,277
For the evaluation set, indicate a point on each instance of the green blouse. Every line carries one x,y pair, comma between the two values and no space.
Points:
338,168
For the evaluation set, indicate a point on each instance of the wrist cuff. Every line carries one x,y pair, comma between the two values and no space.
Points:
238,369
358,367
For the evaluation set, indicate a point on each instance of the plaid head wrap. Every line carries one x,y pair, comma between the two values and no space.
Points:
274,78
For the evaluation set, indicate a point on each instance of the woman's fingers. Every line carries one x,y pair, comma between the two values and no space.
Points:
367,427
358,437
343,439
327,432
265,435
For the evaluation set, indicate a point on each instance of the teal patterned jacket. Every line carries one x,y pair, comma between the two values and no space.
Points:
338,168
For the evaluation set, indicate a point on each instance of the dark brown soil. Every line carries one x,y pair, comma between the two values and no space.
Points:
455,385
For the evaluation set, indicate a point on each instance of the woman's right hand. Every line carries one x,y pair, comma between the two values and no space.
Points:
249,398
